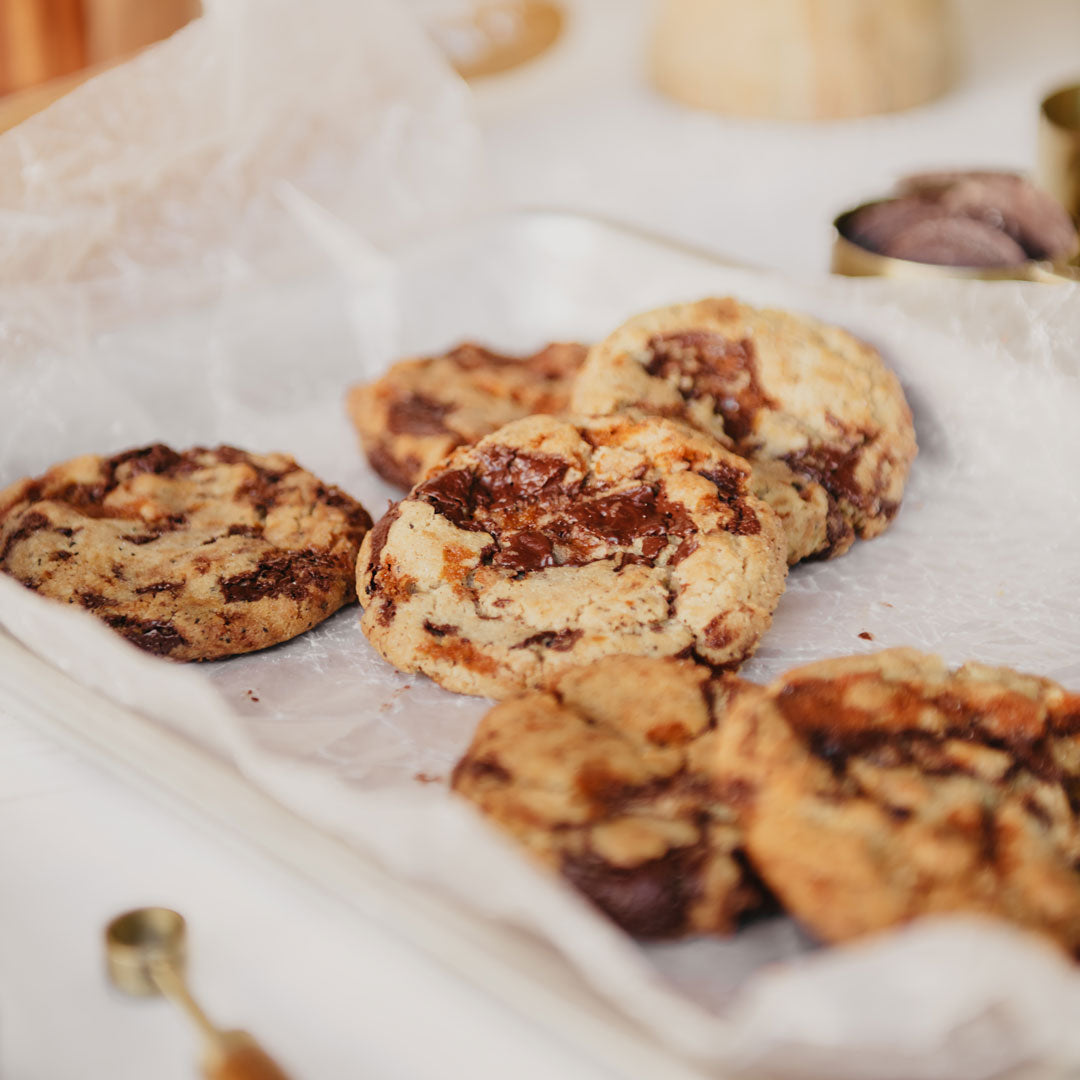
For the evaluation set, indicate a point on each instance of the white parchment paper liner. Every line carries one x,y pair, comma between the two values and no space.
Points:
165,277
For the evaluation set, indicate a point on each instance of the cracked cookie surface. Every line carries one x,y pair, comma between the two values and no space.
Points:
808,402
551,543
601,779
193,555
412,417
875,789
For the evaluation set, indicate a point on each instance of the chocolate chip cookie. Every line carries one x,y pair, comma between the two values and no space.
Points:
601,779
878,788
782,390
193,555
420,410
551,543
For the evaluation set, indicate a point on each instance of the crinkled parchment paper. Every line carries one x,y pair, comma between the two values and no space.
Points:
211,242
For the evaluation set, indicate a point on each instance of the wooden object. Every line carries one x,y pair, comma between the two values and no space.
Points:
40,40
1059,147
116,28
48,47
145,955
803,59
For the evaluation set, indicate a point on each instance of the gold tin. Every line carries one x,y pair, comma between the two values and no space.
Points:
850,259
1059,147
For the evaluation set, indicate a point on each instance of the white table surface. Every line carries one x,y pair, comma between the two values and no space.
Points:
331,995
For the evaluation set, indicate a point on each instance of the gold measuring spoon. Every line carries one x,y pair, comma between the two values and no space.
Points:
145,952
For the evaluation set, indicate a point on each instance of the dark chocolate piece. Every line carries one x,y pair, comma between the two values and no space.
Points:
701,363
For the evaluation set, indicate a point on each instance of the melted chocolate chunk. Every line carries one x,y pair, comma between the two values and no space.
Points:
440,631
158,459
729,481
702,364
155,636
892,736
508,477
156,529
686,548
379,535
989,835
417,414
628,515
834,469
294,574
225,455
718,633
244,530
1066,720
174,588
92,601
1037,811
838,531
539,520
525,551
731,489
649,901
480,768
399,472
559,640
451,495
86,498
261,490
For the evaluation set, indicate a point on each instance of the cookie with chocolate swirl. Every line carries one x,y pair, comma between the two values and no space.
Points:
875,789
552,542
814,409
191,556
412,417
602,779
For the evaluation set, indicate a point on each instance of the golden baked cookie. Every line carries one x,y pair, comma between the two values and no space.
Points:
552,542
413,416
601,780
776,388
875,789
193,555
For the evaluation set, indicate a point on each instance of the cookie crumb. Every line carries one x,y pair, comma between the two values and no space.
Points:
250,695
866,636
427,778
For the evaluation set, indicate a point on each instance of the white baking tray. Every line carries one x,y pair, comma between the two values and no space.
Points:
515,282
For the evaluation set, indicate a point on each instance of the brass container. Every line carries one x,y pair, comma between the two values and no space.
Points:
1059,147
852,260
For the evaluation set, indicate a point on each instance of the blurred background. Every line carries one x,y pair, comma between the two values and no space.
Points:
742,128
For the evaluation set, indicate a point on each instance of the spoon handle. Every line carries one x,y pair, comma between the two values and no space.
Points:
239,1057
